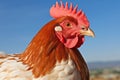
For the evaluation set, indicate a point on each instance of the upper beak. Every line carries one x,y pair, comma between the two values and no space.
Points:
87,32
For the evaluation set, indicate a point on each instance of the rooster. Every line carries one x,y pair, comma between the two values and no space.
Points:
52,54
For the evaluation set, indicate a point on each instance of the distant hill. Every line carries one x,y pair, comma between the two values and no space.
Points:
101,65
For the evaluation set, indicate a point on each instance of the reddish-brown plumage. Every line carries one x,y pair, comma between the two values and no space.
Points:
45,50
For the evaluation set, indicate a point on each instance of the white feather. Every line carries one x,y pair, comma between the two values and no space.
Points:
13,69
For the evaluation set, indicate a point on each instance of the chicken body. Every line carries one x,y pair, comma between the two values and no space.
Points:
11,68
45,58
65,70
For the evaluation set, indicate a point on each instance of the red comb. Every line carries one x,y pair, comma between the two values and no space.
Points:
59,10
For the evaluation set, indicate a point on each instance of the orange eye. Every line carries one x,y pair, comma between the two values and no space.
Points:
68,24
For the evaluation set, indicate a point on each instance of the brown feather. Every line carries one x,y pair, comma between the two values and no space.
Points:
45,50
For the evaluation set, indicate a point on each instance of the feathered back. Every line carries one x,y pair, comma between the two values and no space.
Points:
45,50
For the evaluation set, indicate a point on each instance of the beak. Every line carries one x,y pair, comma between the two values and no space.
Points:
87,32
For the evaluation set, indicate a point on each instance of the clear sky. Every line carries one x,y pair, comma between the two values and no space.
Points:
20,20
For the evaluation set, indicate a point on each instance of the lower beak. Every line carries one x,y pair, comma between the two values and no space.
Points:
87,32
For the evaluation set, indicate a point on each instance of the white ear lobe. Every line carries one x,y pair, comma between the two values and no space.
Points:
58,28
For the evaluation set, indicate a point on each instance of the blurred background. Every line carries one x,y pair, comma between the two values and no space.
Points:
20,20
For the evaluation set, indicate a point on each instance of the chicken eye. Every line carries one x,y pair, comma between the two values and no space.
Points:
68,24
84,28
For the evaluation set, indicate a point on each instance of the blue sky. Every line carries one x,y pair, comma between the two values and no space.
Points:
20,20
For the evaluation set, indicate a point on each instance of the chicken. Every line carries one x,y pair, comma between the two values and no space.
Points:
52,54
